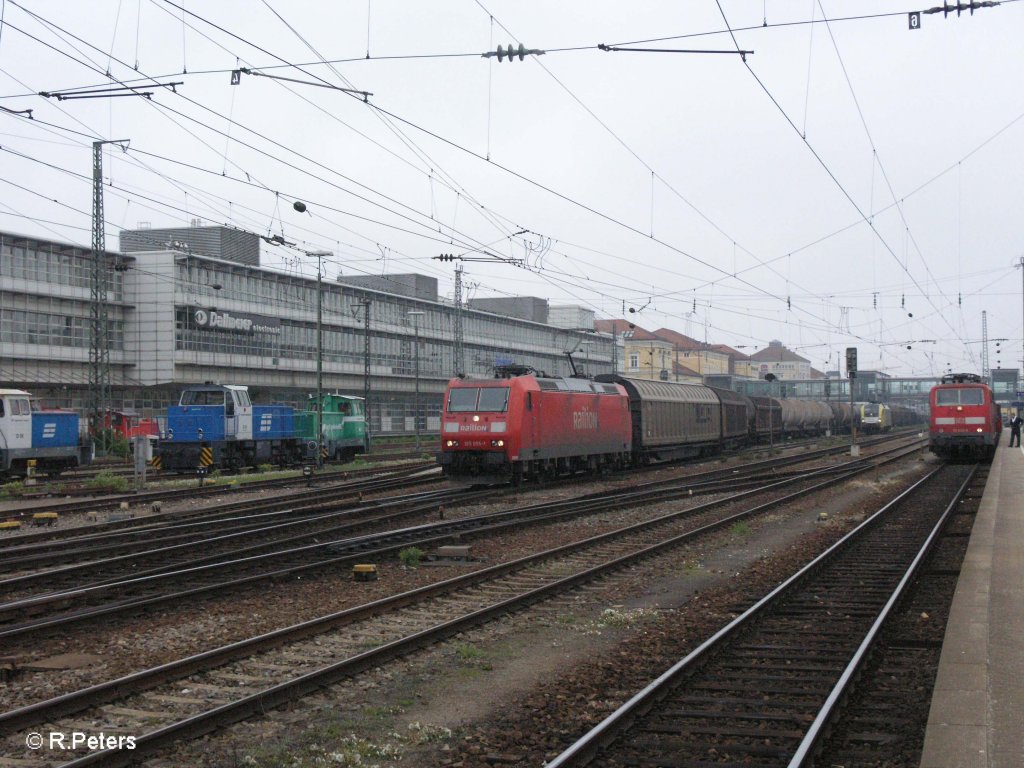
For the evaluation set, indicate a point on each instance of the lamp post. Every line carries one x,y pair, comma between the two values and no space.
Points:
1020,265
413,314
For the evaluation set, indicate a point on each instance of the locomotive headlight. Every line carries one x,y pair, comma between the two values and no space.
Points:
476,417
497,443
980,429
199,432
451,444
170,434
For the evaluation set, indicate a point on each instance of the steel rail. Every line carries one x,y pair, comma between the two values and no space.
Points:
157,545
279,694
805,750
361,548
583,751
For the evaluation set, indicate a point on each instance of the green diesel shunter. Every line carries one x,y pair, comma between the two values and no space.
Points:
344,427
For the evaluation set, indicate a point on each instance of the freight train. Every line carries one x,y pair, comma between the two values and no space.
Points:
48,440
216,426
525,425
965,420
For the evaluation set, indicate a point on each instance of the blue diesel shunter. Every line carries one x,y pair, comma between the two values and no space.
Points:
50,440
216,426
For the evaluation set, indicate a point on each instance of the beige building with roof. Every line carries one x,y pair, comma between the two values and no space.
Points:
782,362
703,358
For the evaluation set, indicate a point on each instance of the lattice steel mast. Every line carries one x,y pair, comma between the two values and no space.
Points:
985,372
460,355
99,328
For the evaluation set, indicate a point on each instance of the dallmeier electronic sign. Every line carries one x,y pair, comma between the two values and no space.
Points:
214,320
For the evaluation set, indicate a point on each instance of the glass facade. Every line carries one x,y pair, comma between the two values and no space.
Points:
51,263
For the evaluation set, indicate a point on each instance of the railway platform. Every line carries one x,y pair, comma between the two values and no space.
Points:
977,709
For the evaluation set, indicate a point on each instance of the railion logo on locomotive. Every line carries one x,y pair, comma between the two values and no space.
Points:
584,420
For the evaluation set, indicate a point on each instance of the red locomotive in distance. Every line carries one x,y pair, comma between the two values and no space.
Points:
129,424
964,420
519,426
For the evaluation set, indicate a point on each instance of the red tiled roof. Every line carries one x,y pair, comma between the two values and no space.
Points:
727,350
776,353
680,340
639,334
616,326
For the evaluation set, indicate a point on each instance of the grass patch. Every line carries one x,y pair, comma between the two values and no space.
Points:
424,733
624,619
108,481
741,528
468,652
13,490
381,713
347,752
411,556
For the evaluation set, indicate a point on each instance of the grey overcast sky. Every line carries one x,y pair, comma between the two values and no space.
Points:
852,182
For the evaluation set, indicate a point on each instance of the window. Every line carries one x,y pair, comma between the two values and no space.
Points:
202,397
634,360
462,399
488,399
494,399
972,396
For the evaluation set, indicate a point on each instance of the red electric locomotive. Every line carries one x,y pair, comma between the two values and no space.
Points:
525,425
964,420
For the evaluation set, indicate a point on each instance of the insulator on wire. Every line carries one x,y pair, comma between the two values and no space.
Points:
508,53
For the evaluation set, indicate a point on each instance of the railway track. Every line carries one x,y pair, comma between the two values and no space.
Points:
12,545
26,611
82,507
765,689
247,678
224,525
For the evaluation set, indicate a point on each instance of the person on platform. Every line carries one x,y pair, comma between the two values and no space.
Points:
1015,423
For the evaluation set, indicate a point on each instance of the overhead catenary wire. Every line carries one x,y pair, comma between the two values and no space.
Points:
829,171
734,270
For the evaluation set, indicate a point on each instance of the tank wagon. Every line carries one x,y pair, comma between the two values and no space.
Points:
964,420
49,440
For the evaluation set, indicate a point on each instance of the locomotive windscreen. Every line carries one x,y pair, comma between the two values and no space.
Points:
490,399
966,396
